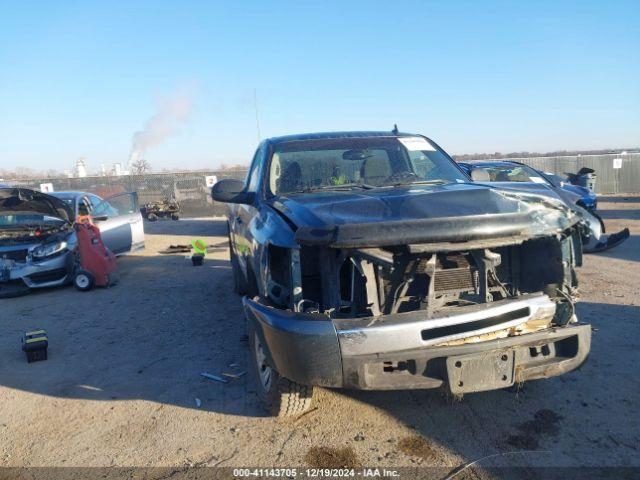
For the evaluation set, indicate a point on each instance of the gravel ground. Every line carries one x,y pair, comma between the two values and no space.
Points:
123,376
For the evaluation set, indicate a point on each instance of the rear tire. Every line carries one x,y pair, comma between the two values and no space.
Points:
83,280
152,217
282,398
175,217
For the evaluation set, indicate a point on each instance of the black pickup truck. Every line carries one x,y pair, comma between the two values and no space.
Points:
370,260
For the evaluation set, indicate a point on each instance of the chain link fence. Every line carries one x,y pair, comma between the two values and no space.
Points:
616,174
189,189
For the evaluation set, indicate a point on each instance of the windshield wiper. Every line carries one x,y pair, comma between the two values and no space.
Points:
344,186
437,181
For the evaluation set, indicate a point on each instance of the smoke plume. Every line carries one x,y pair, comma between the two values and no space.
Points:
173,112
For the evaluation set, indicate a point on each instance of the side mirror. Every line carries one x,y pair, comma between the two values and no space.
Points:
480,175
231,190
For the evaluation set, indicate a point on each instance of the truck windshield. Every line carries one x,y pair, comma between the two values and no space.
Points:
364,162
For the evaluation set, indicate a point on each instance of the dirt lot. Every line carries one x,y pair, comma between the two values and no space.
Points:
123,375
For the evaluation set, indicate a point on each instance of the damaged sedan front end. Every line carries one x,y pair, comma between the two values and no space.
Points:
37,241
371,263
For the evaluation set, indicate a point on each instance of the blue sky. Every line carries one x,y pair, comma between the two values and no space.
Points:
79,78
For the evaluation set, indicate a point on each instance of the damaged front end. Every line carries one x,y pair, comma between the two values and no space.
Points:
474,302
37,241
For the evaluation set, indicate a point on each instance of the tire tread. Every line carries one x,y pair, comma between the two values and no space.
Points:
294,398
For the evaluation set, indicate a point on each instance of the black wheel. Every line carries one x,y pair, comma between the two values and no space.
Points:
175,216
281,397
152,217
83,280
240,285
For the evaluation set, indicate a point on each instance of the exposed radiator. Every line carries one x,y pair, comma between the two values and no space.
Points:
453,274
455,280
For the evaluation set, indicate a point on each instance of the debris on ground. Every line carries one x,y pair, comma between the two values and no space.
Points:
181,248
218,246
332,457
214,377
234,375
198,403
176,249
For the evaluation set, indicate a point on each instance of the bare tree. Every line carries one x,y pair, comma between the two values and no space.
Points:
140,167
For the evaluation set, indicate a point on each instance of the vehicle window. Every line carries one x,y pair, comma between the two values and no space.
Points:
116,206
517,173
313,165
431,164
84,206
253,175
556,180
94,200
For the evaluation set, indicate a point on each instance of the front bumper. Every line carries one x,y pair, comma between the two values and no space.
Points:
50,272
399,351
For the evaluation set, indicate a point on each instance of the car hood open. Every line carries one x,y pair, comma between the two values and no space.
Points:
24,201
423,214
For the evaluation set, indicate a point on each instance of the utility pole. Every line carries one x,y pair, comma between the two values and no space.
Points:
255,106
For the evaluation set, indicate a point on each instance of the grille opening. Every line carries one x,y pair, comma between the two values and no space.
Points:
433,333
15,255
49,276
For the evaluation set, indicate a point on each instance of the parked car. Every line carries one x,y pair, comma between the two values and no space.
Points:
38,244
510,171
118,217
369,260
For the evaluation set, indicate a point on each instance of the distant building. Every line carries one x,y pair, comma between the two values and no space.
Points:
117,170
81,168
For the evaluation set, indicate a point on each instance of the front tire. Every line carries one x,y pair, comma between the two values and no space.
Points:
281,397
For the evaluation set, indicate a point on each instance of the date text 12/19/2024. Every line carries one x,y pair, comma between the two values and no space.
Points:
314,472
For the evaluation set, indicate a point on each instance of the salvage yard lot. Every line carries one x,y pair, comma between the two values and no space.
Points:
123,376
